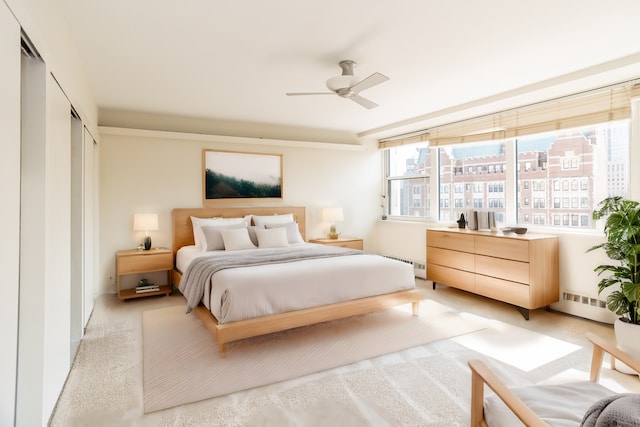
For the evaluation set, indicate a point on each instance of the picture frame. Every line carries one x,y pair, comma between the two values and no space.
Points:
229,176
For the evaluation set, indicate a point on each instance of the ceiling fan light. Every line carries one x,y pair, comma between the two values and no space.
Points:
340,82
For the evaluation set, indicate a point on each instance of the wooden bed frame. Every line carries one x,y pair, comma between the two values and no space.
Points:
227,332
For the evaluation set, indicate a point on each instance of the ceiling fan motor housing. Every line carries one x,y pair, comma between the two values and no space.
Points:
344,81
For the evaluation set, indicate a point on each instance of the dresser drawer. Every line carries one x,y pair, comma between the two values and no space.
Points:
514,271
449,258
450,276
456,241
153,262
503,290
506,248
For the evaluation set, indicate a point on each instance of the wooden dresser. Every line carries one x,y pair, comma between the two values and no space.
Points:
517,269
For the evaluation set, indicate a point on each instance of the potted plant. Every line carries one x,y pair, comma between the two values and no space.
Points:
622,245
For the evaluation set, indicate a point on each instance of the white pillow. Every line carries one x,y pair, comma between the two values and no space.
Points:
236,238
262,220
198,223
293,234
252,234
272,237
212,237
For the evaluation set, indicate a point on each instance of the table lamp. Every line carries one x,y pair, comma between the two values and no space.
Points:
146,223
332,215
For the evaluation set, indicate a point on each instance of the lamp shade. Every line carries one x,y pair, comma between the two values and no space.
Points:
332,214
145,222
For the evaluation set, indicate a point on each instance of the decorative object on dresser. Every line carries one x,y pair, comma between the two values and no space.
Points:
332,215
343,242
145,222
135,262
517,269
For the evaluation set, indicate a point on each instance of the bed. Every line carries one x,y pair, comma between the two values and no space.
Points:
298,284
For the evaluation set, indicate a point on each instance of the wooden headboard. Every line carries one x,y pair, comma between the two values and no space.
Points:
183,231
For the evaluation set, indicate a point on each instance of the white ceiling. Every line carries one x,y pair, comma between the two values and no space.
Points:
225,66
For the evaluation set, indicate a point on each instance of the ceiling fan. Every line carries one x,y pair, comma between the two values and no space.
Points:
349,86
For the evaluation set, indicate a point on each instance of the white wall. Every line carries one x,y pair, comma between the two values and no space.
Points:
47,29
144,171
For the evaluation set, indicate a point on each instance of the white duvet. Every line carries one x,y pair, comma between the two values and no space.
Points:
262,290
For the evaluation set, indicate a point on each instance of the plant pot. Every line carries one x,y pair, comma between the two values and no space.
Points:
627,340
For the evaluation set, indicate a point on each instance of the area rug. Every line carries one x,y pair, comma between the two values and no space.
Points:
181,363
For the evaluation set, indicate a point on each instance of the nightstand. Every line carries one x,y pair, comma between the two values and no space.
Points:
134,261
343,242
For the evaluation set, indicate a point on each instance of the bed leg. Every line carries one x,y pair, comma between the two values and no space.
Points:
415,307
222,350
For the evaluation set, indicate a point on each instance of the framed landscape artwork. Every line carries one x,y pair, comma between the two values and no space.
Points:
243,177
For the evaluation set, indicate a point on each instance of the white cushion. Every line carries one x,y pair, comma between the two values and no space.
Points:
558,405
263,220
198,223
252,234
212,237
293,234
236,239
272,237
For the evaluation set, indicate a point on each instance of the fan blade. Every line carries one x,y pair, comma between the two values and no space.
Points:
372,80
310,93
363,101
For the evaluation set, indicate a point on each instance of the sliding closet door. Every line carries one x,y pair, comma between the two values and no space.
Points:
45,250
77,233
83,241
57,242
90,281
10,212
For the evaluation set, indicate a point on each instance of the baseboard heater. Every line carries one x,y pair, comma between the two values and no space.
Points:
583,299
420,270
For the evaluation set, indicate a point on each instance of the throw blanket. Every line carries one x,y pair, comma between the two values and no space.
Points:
200,271
617,410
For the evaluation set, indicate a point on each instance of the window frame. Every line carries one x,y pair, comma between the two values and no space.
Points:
575,188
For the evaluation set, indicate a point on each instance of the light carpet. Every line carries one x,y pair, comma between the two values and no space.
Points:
181,362
513,345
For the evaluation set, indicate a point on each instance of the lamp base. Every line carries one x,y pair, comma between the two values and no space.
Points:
147,243
333,234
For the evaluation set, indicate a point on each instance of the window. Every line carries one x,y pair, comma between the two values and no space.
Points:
407,178
482,188
572,157
567,171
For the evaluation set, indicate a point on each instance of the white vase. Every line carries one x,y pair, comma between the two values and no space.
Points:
627,340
